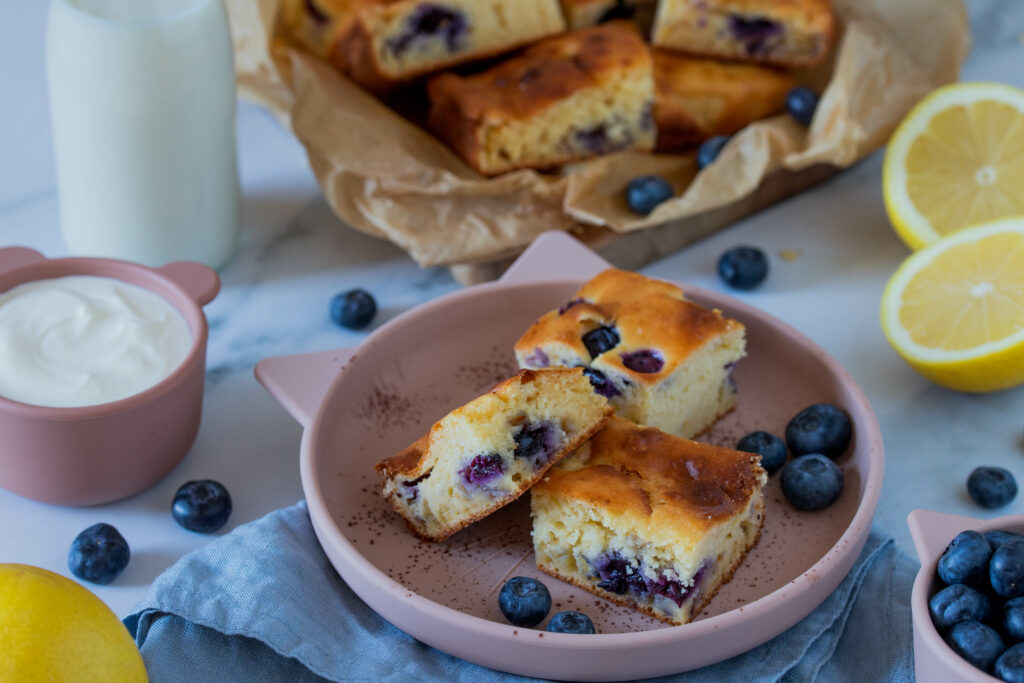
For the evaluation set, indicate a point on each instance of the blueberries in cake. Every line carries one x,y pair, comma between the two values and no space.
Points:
1012,620
537,358
596,139
617,575
99,554
820,428
431,23
770,447
1010,665
319,16
203,505
602,339
743,267
571,622
710,149
801,103
623,9
602,385
1000,536
977,643
811,482
483,468
753,31
536,441
353,309
524,601
965,559
957,603
647,361
991,487
647,191
1006,569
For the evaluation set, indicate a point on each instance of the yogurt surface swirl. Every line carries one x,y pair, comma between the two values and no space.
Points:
85,340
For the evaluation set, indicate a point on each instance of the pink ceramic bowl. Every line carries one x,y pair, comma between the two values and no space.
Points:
359,406
934,660
96,454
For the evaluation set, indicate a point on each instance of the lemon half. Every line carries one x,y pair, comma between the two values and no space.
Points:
955,310
955,161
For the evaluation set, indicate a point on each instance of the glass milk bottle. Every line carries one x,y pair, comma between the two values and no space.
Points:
142,96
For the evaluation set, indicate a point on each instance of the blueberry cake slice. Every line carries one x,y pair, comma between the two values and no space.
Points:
698,98
320,25
661,360
395,40
648,520
566,98
485,454
584,13
784,32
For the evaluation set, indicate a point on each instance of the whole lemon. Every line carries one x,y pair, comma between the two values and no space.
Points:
52,629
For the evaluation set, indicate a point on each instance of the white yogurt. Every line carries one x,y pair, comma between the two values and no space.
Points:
83,340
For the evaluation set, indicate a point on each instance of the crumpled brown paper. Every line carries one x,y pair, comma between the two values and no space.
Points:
388,177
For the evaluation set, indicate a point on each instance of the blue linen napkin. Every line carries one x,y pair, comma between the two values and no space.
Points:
263,603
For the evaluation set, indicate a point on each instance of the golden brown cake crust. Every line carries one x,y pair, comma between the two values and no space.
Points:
656,480
698,98
647,313
647,609
546,72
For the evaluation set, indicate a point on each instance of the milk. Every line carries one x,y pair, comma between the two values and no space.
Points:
83,340
142,98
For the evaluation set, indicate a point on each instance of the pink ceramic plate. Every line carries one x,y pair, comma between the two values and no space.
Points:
359,406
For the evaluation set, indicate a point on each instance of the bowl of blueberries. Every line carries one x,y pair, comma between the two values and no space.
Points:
968,598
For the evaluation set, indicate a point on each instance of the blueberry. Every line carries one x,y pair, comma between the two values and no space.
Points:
602,385
743,267
571,622
821,428
618,575
770,447
753,32
600,340
811,482
647,191
483,468
957,603
430,23
1010,665
595,139
1006,569
536,442
524,601
353,309
98,554
965,559
991,487
646,361
203,505
801,104
1000,536
710,149
1012,620
979,644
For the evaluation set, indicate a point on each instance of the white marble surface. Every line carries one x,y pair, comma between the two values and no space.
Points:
296,255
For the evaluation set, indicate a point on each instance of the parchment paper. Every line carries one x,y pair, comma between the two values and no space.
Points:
384,175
